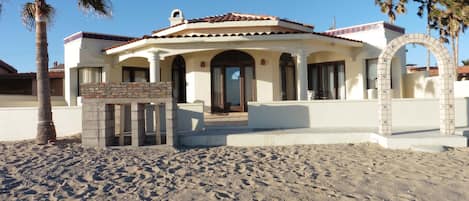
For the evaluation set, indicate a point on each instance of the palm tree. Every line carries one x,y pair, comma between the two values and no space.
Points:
465,62
426,6
37,15
452,19
389,6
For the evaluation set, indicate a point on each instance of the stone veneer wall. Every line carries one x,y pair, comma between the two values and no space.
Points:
99,100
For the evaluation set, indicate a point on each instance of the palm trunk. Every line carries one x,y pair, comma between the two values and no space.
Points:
456,51
45,125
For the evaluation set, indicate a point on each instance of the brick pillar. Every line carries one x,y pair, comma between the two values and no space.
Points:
171,137
138,124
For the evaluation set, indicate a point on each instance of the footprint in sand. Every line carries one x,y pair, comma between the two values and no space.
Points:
223,195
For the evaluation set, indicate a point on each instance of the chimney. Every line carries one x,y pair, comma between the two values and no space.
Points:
176,17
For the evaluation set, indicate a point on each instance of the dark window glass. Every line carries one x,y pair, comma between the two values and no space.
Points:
327,80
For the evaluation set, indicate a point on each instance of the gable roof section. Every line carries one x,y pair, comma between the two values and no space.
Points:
235,17
7,67
243,17
260,34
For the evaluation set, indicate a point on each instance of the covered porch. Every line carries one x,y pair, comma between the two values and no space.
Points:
252,68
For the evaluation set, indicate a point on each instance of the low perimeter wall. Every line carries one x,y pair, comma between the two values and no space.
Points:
409,113
19,123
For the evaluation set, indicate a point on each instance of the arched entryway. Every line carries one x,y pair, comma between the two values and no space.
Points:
446,81
232,81
287,77
178,77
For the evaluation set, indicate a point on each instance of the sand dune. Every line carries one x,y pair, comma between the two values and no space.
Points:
316,172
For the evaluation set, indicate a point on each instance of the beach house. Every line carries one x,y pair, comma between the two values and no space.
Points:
228,60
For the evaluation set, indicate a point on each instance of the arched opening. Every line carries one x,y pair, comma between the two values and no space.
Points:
232,81
178,77
287,77
446,80
135,69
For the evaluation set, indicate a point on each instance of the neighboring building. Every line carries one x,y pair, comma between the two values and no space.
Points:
6,68
227,60
463,71
14,83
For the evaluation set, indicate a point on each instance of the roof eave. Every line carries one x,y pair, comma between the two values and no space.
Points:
296,36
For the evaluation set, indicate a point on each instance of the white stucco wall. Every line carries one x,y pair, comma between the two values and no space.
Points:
19,123
408,113
420,85
84,52
375,40
190,117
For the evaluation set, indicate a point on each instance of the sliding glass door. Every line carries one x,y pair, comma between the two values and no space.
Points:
327,80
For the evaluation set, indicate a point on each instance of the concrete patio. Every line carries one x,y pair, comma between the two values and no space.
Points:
402,138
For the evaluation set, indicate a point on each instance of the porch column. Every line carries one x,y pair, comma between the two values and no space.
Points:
154,60
302,75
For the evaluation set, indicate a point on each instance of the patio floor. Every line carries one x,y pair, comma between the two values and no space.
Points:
402,138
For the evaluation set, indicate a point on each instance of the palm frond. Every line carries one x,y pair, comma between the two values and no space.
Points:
28,14
100,7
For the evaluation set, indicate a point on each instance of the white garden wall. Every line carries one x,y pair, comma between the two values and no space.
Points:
419,85
408,113
19,123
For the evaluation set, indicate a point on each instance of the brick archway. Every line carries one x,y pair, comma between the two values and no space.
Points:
446,79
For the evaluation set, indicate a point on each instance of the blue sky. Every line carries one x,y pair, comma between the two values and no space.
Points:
136,19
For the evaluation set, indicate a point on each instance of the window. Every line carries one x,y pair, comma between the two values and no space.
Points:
287,77
327,80
135,74
89,75
372,73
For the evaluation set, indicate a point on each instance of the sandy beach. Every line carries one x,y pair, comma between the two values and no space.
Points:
317,172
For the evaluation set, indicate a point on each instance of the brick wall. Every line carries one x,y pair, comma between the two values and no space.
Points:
126,90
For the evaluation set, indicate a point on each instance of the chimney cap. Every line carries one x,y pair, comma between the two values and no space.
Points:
176,17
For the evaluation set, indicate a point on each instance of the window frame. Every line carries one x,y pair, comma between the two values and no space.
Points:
376,80
336,65
83,68
132,71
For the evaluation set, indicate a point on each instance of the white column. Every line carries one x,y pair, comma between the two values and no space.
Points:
302,75
154,60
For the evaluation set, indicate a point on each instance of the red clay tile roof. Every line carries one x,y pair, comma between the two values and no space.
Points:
229,35
229,17
434,70
7,67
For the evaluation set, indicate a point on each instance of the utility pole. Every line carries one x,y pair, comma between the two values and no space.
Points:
333,26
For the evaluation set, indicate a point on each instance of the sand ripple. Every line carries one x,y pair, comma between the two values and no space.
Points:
319,172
